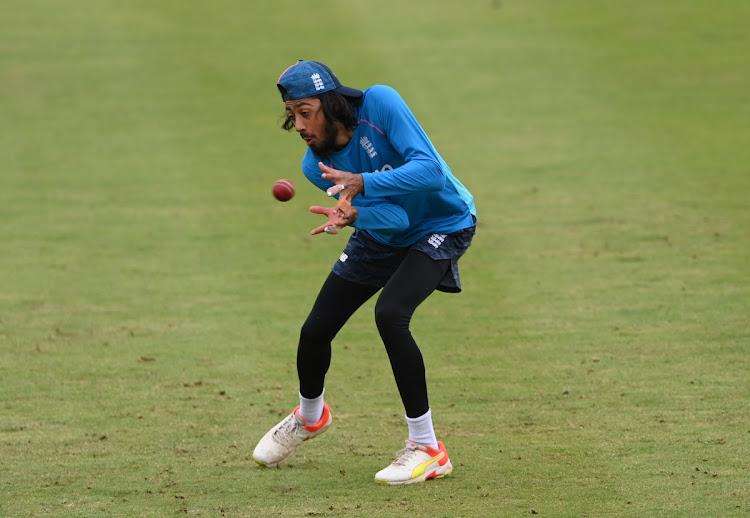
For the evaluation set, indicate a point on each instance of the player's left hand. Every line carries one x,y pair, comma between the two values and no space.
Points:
347,186
336,219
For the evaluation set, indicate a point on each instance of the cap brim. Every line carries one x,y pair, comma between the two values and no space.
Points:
348,92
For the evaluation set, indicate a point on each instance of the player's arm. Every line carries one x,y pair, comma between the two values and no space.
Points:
367,213
422,170
380,215
374,213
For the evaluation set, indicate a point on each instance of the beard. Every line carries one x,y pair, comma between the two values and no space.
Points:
328,145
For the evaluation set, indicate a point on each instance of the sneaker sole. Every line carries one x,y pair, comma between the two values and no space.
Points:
441,472
265,465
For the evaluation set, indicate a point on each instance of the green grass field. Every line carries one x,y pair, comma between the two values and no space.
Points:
151,290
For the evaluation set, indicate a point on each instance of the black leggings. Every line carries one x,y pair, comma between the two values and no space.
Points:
414,280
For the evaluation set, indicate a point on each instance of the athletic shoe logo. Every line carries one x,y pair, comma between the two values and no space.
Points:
343,257
436,240
317,81
367,145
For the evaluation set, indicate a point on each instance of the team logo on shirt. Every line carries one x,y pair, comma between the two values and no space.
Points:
367,145
317,82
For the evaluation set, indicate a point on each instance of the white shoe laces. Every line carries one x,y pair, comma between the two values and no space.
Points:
405,455
287,429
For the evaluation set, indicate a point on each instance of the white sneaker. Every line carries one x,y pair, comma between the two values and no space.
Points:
278,445
416,463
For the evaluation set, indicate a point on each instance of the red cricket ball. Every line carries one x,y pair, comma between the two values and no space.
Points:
283,190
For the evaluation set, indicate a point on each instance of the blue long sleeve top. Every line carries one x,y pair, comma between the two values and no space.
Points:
410,191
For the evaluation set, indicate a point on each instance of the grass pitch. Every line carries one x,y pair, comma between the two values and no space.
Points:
151,289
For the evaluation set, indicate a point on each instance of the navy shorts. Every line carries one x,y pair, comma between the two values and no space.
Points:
365,260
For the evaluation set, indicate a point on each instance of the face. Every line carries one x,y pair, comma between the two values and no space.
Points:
311,124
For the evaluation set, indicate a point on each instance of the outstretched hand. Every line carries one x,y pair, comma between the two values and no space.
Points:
347,186
336,219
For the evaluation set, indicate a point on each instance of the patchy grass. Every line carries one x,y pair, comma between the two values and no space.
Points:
151,289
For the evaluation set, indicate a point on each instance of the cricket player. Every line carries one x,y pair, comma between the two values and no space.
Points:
412,221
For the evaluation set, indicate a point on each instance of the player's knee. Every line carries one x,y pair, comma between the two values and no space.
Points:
390,316
314,331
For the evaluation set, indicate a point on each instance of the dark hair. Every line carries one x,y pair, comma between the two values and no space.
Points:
336,108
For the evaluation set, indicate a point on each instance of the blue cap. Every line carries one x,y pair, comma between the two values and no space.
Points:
309,78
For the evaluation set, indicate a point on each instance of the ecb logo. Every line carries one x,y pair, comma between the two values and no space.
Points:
317,81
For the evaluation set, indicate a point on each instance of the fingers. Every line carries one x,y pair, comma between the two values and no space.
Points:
332,229
316,209
333,191
341,210
325,168
328,170
319,230
328,228
335,175
338,216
